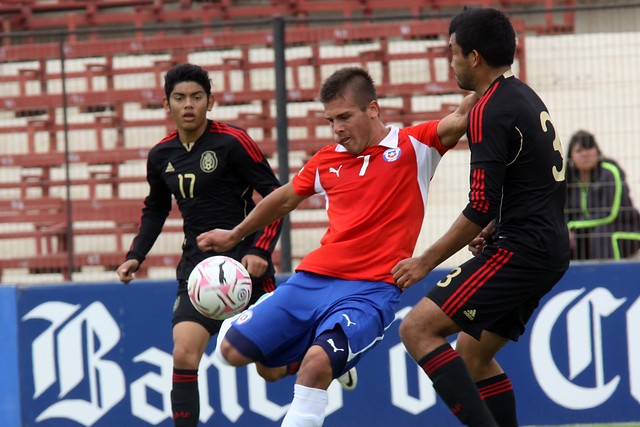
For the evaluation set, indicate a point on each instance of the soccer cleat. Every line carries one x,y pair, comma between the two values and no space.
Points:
349,380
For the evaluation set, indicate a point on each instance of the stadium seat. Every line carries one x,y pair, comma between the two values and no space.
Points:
114,115
30,15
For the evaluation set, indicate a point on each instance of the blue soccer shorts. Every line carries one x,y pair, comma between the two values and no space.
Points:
284,324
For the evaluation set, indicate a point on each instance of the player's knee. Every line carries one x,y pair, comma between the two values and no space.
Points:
232,356
315,370
185,357
407,330
237,350
425,323
271,374
217,354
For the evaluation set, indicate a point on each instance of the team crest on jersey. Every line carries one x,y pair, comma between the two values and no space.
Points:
392,154
244,317
208,161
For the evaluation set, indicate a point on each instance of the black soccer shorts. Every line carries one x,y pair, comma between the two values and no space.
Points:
497,291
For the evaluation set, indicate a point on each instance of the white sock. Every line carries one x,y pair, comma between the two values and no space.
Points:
307,408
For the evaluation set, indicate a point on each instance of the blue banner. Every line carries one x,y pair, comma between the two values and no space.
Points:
9,384
100,355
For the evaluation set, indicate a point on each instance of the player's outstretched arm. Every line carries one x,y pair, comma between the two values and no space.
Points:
409,271
276,205
453,126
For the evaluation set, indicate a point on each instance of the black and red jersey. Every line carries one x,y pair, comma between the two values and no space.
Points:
517,174
213,183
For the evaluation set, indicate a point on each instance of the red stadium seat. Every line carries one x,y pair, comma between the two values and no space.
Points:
30,15
99,100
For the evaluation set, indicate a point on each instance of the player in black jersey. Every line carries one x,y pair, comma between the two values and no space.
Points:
212,170
514,224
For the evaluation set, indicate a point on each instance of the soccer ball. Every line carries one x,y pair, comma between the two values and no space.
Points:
219,287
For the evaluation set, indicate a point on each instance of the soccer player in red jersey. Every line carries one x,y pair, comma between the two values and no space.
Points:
342,297
514,223
211,169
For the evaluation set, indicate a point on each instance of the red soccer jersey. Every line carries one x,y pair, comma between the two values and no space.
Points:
375,201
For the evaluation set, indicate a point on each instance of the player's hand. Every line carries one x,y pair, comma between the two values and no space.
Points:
255,265
572,240
409,271
216,240
477,244
127,269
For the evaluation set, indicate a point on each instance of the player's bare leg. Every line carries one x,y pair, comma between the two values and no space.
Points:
424,333
231,355
493,383
272,374
227,354
310,392
479,355
190,340
315,370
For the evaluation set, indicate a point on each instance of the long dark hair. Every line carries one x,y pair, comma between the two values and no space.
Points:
583,139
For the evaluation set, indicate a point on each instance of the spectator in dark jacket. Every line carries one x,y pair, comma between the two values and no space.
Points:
601,217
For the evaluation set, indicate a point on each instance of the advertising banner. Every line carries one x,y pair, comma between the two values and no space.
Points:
100,355
9,382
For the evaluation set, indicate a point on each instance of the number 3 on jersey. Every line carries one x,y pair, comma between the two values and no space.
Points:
558,175
443,283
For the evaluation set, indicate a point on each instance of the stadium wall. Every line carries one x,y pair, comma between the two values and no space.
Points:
100,355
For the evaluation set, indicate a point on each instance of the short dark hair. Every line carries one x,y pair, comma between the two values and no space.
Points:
488,31
186,73
355,79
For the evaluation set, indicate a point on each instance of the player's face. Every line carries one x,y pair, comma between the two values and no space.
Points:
352,128
188,106
461,65
585,159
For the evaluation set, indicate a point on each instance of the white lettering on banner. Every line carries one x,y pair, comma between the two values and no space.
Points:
70,355
258,401
229,404
44,366
141,408
584,347
105,378
400,396
74,357
153,381
633,347
206,410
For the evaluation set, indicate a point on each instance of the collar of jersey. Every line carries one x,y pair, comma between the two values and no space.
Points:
390,141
